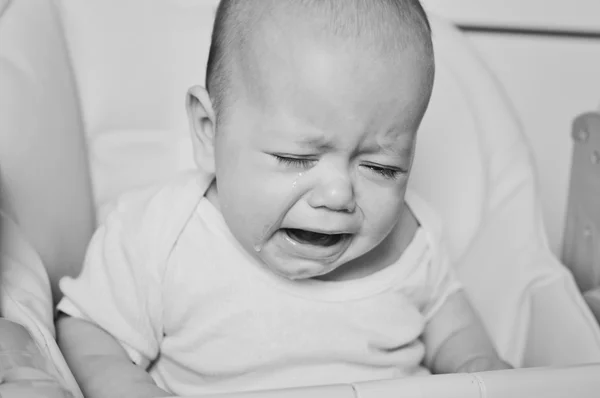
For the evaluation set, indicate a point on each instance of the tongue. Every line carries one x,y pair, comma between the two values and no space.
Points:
313,238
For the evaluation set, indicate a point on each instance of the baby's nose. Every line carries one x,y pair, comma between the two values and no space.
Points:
335,194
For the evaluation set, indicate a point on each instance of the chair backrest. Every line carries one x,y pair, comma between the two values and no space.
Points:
493,221
132,81
43,160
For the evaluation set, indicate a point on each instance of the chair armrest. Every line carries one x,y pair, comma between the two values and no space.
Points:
577,382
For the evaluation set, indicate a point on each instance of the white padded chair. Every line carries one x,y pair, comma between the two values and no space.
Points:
92,104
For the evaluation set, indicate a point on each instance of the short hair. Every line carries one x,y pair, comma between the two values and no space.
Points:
235,19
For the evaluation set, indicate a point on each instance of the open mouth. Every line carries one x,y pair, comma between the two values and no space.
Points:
315,238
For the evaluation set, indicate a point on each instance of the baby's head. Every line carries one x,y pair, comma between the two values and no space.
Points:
309,123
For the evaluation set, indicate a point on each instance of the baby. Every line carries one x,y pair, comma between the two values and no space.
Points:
301,260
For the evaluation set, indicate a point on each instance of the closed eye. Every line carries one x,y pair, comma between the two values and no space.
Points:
294,162
386,172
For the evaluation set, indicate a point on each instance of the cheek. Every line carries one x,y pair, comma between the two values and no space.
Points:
381,209
242,178
250,194
231,160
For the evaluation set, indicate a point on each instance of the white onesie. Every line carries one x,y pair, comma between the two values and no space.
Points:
166,278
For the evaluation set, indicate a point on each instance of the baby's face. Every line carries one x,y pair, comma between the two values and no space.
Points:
313,157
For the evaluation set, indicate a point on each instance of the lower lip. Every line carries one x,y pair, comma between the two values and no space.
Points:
313,252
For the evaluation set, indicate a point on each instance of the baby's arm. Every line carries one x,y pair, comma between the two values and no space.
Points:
457,342
100,365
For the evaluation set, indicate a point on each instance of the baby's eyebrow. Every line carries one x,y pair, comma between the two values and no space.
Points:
399,144
402,151
395,149
319,143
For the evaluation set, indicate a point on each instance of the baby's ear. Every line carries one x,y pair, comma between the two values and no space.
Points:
202,120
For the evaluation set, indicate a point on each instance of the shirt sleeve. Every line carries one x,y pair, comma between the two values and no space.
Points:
442,281
119,287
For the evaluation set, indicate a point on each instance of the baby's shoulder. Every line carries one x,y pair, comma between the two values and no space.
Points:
158,201
155,214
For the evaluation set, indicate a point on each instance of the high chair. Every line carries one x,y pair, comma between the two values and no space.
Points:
92,104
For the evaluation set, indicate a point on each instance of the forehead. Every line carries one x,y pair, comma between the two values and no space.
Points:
281,34
333,86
